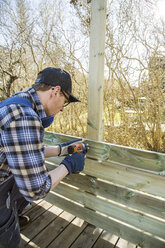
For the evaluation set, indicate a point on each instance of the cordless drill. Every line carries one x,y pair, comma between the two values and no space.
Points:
80,147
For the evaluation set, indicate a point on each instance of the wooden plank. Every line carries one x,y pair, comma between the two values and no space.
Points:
127,177
121,155
124,244
38,210
36,226
88,237
111,225
31,205
68,236
124,176
106,240
33,212
49,233
128,216
129,197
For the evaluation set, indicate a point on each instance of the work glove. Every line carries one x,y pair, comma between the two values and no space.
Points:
75,162
64,146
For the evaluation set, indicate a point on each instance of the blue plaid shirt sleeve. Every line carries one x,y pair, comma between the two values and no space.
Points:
22,141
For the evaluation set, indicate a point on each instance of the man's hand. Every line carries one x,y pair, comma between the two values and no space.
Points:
64,146
74,163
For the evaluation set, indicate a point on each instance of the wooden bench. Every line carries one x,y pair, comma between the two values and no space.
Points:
121,190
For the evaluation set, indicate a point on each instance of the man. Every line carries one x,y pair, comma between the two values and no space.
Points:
23,175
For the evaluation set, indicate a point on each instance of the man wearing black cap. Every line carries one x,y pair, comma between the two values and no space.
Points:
23,175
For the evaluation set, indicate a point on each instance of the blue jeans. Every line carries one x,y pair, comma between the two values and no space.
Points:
9,228
12,203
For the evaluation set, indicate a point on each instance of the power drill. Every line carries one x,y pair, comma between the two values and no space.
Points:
80,147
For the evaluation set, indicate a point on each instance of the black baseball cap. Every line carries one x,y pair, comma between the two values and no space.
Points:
57,77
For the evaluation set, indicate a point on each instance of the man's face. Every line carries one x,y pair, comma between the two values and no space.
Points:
59,99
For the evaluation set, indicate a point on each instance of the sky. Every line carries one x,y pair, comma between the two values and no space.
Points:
161,9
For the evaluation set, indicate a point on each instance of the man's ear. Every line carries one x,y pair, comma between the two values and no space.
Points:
56,90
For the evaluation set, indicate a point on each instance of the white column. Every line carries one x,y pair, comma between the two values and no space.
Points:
95,128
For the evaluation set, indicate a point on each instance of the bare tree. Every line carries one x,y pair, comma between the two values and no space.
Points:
16,29
133,99
134,87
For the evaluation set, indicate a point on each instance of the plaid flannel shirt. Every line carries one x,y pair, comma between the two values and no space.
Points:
22,151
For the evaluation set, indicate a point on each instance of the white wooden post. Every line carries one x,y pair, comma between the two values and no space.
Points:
95,128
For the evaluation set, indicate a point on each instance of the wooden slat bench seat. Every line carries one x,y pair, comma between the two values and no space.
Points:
120,193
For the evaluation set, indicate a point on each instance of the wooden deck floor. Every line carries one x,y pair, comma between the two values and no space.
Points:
52,227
